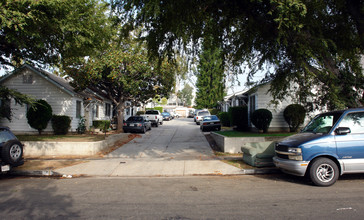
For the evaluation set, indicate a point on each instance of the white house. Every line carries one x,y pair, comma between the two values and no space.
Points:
57,91
257,98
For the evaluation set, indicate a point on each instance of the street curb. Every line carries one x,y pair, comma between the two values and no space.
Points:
50,173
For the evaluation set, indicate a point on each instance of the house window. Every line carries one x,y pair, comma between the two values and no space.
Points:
96,111
5,108
252,101
78,109
107,109
27,79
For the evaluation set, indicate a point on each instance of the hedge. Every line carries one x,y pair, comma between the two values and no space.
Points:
61,124
101,124
261,119
239,117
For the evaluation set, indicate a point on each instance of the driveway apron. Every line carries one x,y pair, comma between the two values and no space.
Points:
176,148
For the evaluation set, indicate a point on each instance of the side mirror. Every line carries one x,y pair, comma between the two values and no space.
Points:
342,131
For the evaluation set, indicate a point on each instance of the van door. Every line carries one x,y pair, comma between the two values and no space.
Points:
350,146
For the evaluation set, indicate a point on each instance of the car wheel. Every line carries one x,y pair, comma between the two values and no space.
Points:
324,172
12,152
156,124
143,131
161,122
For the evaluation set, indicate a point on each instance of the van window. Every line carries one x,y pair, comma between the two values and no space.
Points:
354,121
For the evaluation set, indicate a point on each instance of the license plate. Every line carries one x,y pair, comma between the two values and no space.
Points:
5,168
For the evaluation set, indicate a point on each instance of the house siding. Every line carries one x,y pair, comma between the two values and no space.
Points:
62,103
263,100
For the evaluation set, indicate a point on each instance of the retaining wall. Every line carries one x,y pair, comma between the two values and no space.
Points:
41,148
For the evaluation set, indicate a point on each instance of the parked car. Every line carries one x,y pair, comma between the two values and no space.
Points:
210,123
11,150
200,115
154,116
166,116
191,114
195,114
330,145
137,124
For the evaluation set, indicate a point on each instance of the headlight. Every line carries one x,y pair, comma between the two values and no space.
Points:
295,153
295,150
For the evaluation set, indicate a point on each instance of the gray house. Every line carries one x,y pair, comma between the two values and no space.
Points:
57,91
256,98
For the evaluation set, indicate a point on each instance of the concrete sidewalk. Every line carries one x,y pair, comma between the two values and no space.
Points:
122,167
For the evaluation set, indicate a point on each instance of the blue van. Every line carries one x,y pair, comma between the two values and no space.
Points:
330,145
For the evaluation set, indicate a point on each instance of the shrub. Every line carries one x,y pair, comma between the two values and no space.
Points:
140,113
214,111
160,109
261,119
81,129
39,115
294,115
61,124
239,117
224,118
101,124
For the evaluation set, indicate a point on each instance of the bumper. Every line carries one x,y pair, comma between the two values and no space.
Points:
210,127
293,167
132,129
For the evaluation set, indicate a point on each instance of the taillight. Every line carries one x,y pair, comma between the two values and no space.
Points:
124,124
205,123
139,125
155,117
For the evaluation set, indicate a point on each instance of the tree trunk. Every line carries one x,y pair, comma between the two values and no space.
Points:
120,116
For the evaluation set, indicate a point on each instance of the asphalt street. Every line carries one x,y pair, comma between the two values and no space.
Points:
276,196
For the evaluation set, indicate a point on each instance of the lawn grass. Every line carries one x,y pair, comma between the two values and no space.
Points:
252,134
64,138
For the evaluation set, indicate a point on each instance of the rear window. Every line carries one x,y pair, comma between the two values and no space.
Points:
203,113
209,118
151,112
135,119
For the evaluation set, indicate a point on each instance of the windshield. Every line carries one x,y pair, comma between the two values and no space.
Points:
322,123
203,113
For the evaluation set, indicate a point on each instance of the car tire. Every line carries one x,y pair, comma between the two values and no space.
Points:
156,124
161,123
323,172
144,129
12,152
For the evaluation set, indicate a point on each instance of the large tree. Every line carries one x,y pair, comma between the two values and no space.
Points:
49,32
186,95
313,44
210,78
123,73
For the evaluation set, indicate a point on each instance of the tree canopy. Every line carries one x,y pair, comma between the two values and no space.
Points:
123,73
49,32
315,45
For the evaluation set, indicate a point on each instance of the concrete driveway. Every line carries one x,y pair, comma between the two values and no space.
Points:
176,148
176,139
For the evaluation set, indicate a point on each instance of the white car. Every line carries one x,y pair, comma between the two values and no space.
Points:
200,115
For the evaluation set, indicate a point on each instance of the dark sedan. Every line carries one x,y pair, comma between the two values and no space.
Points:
137,124
166,116
210,122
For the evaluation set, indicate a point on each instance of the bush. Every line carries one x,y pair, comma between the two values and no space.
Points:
160,109
39,115
224,118
140,113
101,124
214,111
294,115
239,117
61,124
261,119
